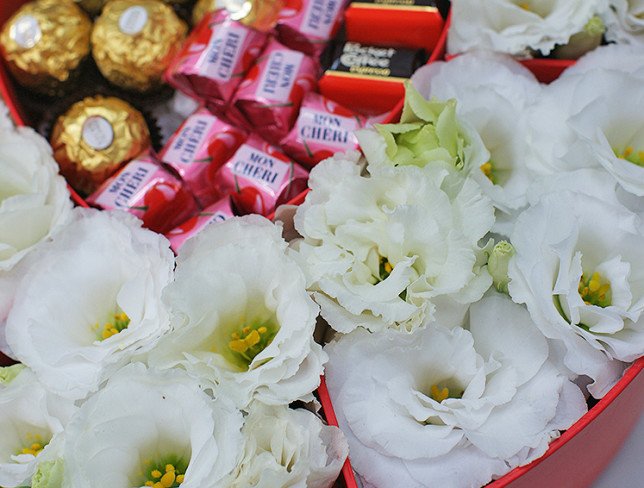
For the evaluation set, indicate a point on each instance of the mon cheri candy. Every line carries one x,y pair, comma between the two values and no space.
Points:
307,25
198,149
217,212
322,129
146,190
215,58
259,177
269,98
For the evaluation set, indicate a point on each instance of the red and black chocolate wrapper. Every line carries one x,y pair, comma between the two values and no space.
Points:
146,190
215,58
307,25
197,150
259,177
369,79
268,99
397,23
322,128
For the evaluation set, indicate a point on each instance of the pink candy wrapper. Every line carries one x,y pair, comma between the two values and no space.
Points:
217,212
198,149
307,25
260,177
271,94
144,189
215,58
322,129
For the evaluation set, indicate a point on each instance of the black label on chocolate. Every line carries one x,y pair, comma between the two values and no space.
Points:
385,62
400,3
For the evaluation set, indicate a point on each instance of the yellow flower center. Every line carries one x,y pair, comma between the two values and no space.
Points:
119,322
488,170
595,290
165,477
439,393
385,268
251,340
630,155
34,449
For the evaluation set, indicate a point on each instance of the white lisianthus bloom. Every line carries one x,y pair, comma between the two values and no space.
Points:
578,268
243,321
450,408
32,421
89,300
618,57
591,121
5,117
626,24
429,133
288,449
34,200
392,250
146,427
478,81
518,27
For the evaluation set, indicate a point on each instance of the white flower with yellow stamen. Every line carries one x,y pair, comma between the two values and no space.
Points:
34,200
450,408
243,321
478,81
89,300
519,27
288,448
150,428
578,268
392,250
32,421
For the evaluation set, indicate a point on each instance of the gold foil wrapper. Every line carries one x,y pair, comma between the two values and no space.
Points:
95,137
258,14
133,42
44,43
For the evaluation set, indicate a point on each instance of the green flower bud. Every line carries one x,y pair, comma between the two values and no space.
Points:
497,265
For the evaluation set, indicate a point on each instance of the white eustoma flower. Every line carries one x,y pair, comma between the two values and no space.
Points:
288,449
147,427
32,422
626,24
517,28
591,121
392,250
618,57
492,93
34,200
90,299
578,268
243,320
450,408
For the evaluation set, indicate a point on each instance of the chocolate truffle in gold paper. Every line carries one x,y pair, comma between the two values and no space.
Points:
133,42
44,43
258,14
95,137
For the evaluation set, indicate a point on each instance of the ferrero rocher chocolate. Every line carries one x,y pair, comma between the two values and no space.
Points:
258,14
133,42
44,43
95,137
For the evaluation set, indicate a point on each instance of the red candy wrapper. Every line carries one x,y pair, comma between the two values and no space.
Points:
307,25
215,58
259,177
144,189
217,212
198,149
271,94
322,129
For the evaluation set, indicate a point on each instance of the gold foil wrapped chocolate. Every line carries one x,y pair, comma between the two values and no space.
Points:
258,14
44,43
95,137
133,42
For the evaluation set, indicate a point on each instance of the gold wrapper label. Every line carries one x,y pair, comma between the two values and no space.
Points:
261,15
26,31
133,20
98,133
